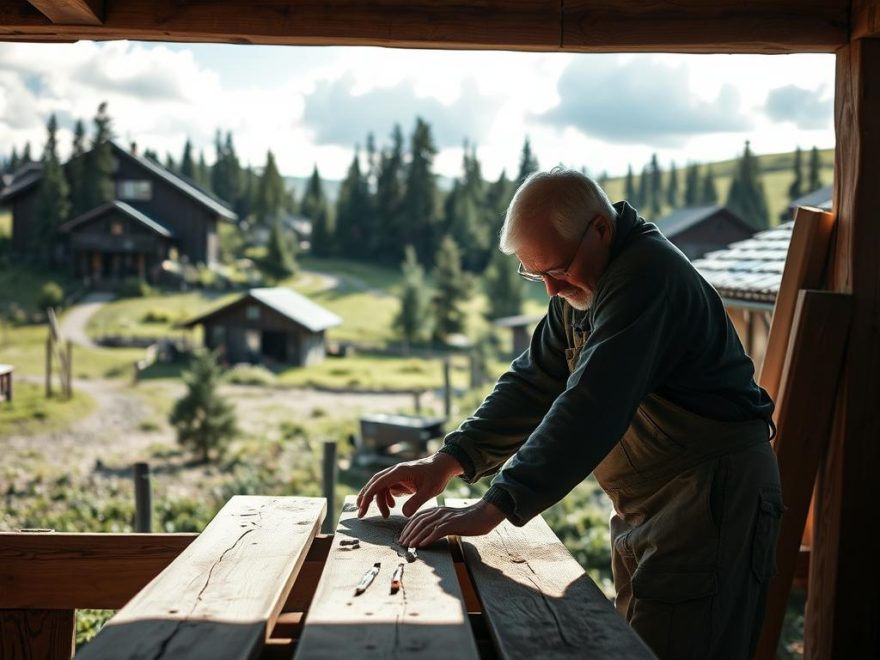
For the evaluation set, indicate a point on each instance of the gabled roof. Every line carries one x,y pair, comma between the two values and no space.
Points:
819,198
749,270
187,187
23,179
286,302
680,220
121,207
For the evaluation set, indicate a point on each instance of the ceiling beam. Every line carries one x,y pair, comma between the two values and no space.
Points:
71,12
693,26
865,19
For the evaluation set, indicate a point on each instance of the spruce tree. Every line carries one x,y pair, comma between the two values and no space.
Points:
26,155
171,164
12,165
76,171
227,180
498,196
528,163
413,320
98,176
465,214
746,197
452,287
203,172
187,164
504,286
692,192
279,262
708,191
392,232
420,196
204,420
672,199
351,205
644,196
656,185
815,170
796,189
270,194
314,207
53,198
629,187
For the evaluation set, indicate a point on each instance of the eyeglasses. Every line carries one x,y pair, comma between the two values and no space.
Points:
556,273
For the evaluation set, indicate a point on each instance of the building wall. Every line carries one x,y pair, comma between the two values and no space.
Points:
24,217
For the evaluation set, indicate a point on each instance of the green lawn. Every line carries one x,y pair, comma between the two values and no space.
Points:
31,412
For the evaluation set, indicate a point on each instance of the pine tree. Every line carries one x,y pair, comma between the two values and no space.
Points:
351,205
26,155
76,171
629,187
413,320
187,165
709,191
53,198
314,207
466,219
815,170
391,231
656,186
498,196
504,286
279,262
420,196
528,163
746,197
203,172
171,164
270,194
644,196
796,189
452,289
227,180
204,420
98,176
672,199
692,185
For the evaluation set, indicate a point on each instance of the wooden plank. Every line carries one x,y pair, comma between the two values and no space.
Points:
538,600
71,571
425,619
221,596
71,12
805,411
696,26
865,19
804,266
844,595
43,634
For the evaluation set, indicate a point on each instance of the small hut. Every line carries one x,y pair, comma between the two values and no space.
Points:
268,325
696,230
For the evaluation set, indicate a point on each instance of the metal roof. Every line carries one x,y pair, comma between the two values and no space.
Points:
286,302
749,270
122,207
681,219
22,180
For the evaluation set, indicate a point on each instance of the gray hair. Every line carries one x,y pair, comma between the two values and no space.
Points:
569,198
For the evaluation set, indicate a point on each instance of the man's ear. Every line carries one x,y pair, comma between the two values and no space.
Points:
605,228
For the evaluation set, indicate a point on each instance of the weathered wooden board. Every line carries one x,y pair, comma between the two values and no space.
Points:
220,597
806,407
71,12
425,619
538,601
73,571
749,26
37,634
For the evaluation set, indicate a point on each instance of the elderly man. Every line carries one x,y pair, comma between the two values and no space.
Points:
637,376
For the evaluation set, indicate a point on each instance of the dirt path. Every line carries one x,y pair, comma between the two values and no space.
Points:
73,324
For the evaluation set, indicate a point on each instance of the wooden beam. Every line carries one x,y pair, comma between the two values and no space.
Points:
221,596
538,601
45,634
844,595
865,19
425,619
71,571
806,408
695,26
71,12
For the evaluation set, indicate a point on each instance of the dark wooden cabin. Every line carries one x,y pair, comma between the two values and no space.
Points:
269,325
696,230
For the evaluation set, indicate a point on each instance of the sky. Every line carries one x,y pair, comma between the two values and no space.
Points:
312,105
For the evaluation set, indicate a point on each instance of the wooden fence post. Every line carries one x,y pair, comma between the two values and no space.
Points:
143,498
447,389
329,485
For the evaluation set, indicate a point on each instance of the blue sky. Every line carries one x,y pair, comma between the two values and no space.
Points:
313,104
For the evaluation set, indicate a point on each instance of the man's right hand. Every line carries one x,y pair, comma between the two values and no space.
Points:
423,479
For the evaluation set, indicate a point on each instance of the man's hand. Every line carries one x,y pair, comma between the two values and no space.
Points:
428,526
423,479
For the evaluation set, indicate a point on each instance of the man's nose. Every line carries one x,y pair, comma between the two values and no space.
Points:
553,285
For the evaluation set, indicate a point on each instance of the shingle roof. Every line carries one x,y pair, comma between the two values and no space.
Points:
678,220
22,180
749,270
286,302
122,207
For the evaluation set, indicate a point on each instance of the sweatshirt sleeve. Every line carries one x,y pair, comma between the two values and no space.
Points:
516,405
621,362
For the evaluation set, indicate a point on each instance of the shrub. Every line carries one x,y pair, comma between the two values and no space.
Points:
134,287
51,295
158,315
247,374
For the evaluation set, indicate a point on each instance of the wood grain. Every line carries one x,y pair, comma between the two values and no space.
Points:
221,596
865,19
37,634
72,571
425,619
538,601
805,411
696,26
71,12
804,266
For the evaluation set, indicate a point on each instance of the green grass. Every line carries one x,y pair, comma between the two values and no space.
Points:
30,412
21,284
128,317
5,224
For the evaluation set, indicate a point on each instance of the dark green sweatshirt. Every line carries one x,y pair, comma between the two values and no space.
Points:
656,326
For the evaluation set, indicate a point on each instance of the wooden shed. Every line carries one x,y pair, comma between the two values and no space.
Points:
844,455
268,325
696,230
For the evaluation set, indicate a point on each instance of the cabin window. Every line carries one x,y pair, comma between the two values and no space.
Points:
116,228
134,190
253,313
252,341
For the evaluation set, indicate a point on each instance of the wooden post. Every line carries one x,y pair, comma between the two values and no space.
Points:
143,499
329,485
48,367
33,633
447,389
69,370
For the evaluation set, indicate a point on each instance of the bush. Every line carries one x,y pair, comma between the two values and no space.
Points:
247,374
158,315
134,287
51,295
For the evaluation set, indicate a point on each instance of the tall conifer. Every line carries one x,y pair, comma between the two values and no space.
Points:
420,196
53,198
692,193
528,163
314,207
746,197
815,170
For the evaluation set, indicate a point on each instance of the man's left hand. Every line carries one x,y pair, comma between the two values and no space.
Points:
428,526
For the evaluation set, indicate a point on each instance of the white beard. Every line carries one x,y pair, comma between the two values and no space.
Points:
580,299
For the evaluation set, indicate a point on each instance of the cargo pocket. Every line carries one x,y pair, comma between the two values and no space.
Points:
672,611
767,524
